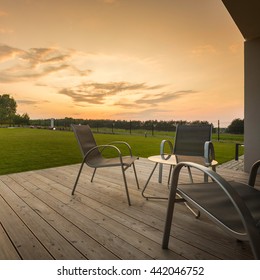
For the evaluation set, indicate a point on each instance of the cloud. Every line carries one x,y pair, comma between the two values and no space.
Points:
116,87
28,102
80,96
33,103
123,94
37,63
36,56
64,72
147,114
154,99
8,53
163,97
20,74
110,1
204,49
4,30
236,48
100,93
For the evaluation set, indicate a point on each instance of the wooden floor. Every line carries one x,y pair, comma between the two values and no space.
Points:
39,219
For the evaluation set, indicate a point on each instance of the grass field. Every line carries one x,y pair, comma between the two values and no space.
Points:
24,149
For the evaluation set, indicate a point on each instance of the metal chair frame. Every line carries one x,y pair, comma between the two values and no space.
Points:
93,155
238,213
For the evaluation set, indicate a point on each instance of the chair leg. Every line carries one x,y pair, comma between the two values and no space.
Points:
137,183
190,175
169,216
126,188
197,215
94,172
148,180
170,175
160,173
76,182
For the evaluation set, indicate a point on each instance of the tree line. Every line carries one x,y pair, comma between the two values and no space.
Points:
8,116
117,124
236,126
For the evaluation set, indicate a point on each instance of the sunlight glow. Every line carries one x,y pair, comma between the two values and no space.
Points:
117,59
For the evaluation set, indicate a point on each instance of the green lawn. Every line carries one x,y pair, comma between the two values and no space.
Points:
25,149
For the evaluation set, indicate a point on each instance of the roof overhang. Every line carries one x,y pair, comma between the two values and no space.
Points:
246,15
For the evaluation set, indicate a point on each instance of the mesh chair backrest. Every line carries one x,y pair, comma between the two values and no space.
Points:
190,139
85,139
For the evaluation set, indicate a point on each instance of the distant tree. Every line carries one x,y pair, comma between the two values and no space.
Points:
197,122
26,119
21,120
7,109
236,127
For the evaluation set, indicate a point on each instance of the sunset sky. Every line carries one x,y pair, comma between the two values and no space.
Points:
122,59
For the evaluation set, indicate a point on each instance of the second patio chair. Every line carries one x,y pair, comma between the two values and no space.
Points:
93,155
192,143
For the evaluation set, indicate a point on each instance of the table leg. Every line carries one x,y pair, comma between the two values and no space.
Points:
160,172
153,197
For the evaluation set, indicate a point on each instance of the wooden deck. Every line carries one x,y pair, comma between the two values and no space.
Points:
39,219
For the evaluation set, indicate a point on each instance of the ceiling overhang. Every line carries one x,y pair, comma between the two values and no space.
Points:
246,15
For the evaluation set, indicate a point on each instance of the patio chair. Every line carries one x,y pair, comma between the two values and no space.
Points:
192,143
93,155
233,206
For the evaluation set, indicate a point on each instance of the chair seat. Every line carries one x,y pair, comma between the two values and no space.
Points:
196,159
110,162
209,197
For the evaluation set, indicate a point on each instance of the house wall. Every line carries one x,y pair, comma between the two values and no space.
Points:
252,102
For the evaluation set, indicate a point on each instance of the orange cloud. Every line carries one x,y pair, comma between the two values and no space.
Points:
110,1
236,47
204,49
36,63
98,93
8,53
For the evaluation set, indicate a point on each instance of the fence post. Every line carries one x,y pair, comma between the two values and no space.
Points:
237,150
218,130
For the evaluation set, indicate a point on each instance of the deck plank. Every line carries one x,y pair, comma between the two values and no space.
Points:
49,237
139,220
86,219
8,251
124,236
72,243
25,242
40,219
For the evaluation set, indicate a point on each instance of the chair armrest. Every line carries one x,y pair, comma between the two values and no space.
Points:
122,143
253,173
101,148
209,153
162,146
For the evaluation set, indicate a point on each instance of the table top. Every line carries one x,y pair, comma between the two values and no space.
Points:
171,160
158,158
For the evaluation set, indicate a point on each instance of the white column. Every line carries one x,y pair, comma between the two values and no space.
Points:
52,123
